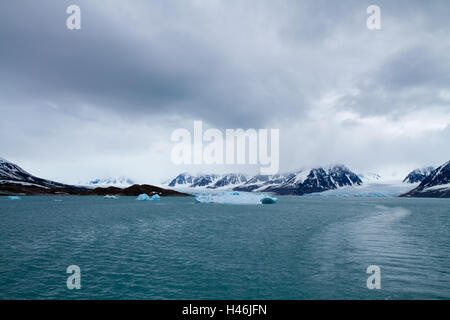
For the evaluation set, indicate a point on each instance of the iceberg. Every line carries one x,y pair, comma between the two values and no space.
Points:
155,197
269,200
13,198
231,198
108,196
143,197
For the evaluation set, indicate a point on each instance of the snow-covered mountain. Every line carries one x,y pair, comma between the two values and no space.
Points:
207,180
231,179
435,185
260,182
11,173
182,180
370,177
121,182
211,181
309,181
373,185
14,180
418,175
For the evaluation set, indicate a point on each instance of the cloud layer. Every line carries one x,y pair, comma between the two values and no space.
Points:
103,100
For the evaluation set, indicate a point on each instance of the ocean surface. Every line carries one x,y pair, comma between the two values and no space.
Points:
300,248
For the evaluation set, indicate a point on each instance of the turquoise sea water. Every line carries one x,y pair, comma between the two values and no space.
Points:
300,248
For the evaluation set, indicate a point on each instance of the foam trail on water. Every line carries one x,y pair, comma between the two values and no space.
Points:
390,214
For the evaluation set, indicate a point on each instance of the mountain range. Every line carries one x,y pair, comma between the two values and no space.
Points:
13,179
294,183
426,182
302,182
418,175
211,181
121,182
16,181
435,185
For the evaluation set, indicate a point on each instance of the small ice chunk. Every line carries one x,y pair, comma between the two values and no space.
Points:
269,200
13,198
155,197
108,196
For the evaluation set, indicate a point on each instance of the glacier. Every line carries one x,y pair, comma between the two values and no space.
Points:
379,190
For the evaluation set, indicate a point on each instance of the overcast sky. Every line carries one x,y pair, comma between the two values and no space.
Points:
103,101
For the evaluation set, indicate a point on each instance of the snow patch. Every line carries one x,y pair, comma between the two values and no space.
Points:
22,183
438,187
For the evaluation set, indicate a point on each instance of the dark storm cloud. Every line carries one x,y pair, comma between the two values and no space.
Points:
410,79
183,62
410,68
109,64
416,67
102,64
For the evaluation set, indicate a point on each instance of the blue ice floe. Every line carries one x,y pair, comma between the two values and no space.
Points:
231,198
14,198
